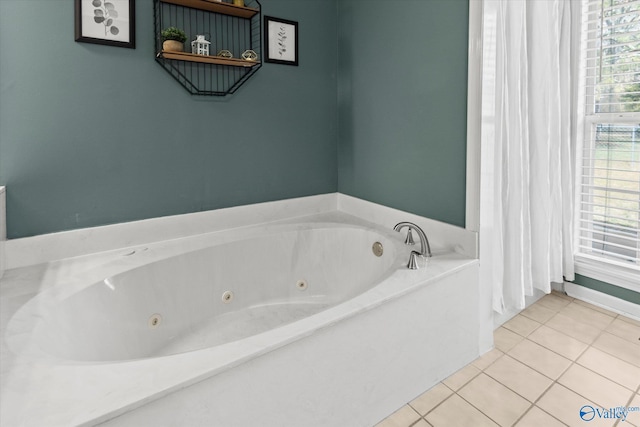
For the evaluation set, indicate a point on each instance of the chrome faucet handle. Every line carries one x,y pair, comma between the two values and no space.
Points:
409,240
413,261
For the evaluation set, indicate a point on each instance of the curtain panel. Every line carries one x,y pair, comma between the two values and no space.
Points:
530,52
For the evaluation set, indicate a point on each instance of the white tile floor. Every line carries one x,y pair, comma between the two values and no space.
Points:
549,361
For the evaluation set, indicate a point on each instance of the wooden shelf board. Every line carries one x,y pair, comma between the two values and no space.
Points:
184,56
217,7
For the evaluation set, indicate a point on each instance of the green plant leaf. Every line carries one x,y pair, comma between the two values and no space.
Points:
114,31
173,33
98,19
96,3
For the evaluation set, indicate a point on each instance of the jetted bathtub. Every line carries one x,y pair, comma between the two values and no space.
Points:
302,322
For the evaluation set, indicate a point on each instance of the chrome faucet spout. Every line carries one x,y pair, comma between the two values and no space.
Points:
425,248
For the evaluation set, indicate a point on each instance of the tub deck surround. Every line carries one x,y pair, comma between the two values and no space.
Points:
50,247
397,337
440,234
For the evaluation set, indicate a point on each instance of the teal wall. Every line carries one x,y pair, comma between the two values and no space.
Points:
402,92
93,135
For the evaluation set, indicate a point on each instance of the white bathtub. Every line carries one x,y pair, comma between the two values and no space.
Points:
206,297
293,323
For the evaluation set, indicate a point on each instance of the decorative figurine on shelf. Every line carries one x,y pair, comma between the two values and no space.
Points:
249,55
238,3
200,46
225,54
173,39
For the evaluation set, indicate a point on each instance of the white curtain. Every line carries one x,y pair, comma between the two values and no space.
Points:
527,164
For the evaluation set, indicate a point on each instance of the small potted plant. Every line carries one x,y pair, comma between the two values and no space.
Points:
173,39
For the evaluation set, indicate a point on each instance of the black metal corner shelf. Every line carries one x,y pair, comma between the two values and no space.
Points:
228,27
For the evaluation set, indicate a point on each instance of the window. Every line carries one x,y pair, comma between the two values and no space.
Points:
609,219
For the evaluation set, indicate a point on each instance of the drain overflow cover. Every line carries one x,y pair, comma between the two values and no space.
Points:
377,249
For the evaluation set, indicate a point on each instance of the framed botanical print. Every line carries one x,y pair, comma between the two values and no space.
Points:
281,41
107,22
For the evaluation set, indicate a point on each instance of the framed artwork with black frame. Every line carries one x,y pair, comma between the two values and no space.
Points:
281,41
107,22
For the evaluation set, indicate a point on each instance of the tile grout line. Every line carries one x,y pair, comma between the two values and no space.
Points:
534,403
531,404
573,362
482,371
554,381
441,402
487,415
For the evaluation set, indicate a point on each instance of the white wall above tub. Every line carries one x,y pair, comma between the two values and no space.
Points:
49,247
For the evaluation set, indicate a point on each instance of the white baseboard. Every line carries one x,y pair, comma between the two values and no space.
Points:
603,300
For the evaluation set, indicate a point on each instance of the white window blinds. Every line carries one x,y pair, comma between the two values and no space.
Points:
609,224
